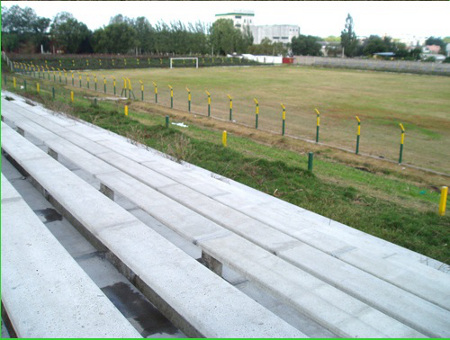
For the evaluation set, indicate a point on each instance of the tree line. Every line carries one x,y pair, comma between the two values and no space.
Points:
24,31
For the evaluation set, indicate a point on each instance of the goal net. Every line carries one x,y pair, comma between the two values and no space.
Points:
194,59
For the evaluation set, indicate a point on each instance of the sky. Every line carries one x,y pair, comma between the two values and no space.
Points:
321,18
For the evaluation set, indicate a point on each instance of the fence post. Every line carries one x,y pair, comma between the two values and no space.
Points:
189,99
167,121
126,110
443,201
310,161
209,103
114,84
156,92
358,134
318,126
224,139
171,96
53,92
37,88
14,82
402,140
283,128
71,96
256,112
104,84
142,90
231,105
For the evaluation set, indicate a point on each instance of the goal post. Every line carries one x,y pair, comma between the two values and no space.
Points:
184,58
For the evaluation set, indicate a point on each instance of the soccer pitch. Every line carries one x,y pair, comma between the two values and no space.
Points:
381,100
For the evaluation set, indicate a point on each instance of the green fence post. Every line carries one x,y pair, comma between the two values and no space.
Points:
167,121
209,103
156,92
256,112
53,93
283,127
358,134
310,161
402,140
231,105
171,96
318,126
189,99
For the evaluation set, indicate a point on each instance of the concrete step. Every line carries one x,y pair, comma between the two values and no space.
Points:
196,228
44,291
196,300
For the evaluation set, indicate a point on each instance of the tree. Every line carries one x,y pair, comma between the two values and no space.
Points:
374,44
349,42
115,38
306,45
69,33
21,26
225,38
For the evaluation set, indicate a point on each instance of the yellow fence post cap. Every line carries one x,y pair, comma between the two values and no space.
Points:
357,118
255,100
401,127
317,111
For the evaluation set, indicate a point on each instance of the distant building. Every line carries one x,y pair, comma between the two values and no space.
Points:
276,33
240,18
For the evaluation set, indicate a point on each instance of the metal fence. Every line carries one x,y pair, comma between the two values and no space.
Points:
377,65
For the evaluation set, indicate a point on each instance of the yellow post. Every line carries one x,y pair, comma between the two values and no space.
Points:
318,125
171,96
256,112
14,82
126,110
231,105
283,128
443,202
224,139
156,91
402,140
71,96
142,90
38,88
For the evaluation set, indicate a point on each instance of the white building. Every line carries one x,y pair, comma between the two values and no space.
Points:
240,18
276,33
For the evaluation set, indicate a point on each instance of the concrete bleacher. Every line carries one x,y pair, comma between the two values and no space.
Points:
323,270
192,297
37,271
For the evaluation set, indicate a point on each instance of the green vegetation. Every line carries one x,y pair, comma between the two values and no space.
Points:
400,207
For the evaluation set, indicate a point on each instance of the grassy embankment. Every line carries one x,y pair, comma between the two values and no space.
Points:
385,200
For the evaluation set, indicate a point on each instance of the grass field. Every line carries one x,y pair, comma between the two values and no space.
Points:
381,100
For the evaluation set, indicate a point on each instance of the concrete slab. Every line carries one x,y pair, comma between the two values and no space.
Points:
331,308
37,271
210,306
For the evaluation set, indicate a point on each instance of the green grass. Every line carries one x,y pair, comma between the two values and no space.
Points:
381,100
380,202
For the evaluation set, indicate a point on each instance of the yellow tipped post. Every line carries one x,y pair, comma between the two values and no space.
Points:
358,134
224,139
38,88
156,92
71,96
318,125
209,103
171,96
256,112
142,90
443,201
231,106
283,128
189,99
402,140
126,110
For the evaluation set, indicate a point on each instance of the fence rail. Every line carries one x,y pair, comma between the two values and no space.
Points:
377,65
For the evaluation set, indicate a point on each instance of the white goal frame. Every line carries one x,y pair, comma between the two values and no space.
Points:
183,58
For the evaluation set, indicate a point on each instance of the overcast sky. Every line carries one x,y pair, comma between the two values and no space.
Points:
321,18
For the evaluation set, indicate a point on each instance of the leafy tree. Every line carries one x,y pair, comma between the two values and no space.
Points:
374,44
225,38
349,42
69,33
115,38
22,26
267,47
306,45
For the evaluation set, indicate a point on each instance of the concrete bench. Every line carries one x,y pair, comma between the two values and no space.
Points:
200,230
196,300
418,280
44,291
